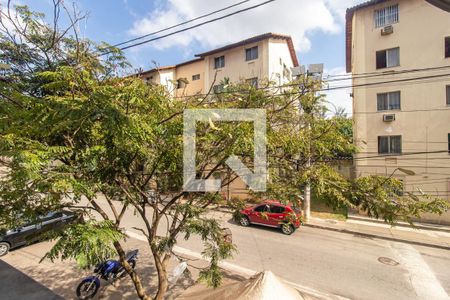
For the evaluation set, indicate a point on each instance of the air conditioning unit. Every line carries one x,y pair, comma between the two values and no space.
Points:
387,30
388,118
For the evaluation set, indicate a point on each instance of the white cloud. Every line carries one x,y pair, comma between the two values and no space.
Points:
298,18
339,97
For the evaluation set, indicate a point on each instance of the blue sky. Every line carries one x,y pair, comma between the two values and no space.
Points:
316,26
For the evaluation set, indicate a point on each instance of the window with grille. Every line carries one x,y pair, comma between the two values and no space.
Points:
390,144
195,77
388,58
251,53
219,62
388,101
386,16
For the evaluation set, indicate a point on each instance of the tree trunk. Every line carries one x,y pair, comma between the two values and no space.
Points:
163,281
134,277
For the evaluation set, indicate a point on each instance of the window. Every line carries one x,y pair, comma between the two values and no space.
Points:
219,62
262,208
388,101
195,77
218,88
386,16
448,94
447,47
448,137
181,83
251,53
275,209
253,82
388,58
390,144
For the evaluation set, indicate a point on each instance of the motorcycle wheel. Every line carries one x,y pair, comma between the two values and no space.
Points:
87,289
123,272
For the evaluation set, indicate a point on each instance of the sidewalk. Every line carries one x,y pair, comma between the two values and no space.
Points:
423,235
428,235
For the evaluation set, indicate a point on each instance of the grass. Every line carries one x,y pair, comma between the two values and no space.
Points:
320,209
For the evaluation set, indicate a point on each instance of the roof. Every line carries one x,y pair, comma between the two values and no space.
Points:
255,39
442,4
170,67
155,69
189,62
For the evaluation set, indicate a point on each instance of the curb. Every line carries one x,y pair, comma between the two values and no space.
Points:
444,247
377,236
246,272
430,227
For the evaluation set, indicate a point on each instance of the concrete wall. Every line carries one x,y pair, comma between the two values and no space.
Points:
187,71
279,57
165,77
424,118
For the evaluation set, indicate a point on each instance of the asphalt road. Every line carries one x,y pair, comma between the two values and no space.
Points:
335,263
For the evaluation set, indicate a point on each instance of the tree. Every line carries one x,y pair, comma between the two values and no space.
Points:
72,130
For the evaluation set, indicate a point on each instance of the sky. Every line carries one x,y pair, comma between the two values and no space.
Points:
316,27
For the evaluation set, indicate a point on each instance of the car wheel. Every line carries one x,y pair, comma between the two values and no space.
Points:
244,221
287,229
4,248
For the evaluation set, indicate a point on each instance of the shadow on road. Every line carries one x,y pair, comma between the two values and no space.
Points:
60,279
16,285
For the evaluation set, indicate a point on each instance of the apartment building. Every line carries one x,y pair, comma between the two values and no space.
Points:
264,57
399,54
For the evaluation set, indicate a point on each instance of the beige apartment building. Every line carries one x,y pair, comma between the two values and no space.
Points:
262,58
399,54
266,57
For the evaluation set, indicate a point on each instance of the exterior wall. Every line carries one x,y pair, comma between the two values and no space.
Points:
424,118
167,78
163,77
273,54
236,68
187,71
279,57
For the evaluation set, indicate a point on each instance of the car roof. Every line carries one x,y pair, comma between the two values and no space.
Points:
277,202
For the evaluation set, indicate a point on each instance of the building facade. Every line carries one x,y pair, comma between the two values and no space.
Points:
263,58
399,55
266,57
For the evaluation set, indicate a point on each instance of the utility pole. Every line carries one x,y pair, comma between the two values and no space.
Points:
315,71
307,192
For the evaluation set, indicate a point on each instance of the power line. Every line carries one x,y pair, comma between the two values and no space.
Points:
192,27
402,154
378,74
442,109
322,89
384,82
403,166
180,24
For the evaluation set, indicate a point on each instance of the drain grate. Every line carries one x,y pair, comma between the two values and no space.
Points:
387,261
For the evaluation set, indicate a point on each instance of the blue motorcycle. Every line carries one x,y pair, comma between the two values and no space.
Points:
109,270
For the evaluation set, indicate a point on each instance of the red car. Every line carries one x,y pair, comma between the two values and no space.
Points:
272,214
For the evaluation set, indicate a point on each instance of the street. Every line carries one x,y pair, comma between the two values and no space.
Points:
335,263
331,263
343,264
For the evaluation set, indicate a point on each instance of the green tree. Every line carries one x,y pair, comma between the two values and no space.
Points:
72,132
